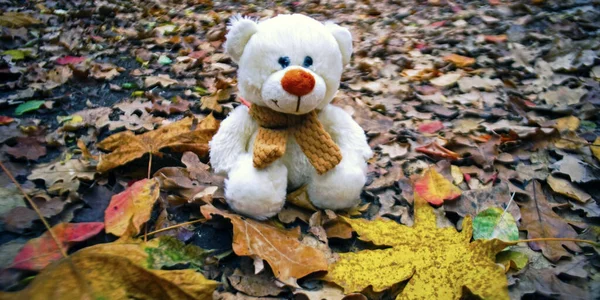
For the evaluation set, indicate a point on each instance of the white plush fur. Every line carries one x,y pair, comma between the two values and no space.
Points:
257,47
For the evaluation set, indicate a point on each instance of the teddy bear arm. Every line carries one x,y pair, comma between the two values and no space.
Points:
231,140
346,133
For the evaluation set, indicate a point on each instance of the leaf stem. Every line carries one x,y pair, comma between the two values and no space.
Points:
176,226
35,208
149,164
559,240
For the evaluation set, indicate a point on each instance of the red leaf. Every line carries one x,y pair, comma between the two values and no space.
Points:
132,206
41,251
431,127
4,120
72,60
438,24
496,38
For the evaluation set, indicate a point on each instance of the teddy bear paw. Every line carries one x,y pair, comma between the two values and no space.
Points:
259,194
338,189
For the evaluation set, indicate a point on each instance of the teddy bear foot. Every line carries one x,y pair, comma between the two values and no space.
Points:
259,194
337,189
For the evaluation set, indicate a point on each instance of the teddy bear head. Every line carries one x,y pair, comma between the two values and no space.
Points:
290,63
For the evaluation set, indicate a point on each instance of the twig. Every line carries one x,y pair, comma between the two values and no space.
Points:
176,226
149,164
595,244
36,209
512,197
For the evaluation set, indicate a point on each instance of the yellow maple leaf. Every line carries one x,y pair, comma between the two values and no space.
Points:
439,262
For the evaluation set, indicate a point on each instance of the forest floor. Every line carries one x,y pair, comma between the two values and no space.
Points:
490,107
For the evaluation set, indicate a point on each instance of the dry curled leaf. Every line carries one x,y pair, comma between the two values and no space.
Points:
288,258
180,136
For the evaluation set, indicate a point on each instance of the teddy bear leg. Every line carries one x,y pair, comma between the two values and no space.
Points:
339,188
256,193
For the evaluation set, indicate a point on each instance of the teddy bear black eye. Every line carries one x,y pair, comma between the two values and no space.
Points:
307,62
284,61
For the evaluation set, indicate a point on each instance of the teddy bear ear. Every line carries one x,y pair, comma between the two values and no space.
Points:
240,31
344,40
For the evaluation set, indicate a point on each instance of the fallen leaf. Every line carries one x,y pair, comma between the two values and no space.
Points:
565,187
431,127
258,285
17,19
40,252
475,201
394,151
435,188
29,106
512,260
570,123
63,172
5,120
438,261
459,60
30,148
113,275
596,148
446,80
577,170
180,136
546,284
495,223
563,96
70,60
540,221
104,71
496,38
329,292
164,80
132,206
289,259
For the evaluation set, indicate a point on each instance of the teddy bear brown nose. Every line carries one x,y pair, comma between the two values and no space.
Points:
298,82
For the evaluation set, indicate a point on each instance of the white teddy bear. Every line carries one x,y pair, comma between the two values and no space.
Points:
290,68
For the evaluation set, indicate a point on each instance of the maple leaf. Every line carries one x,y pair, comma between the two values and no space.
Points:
435,188
288,258
132,206
40,252
180,136
439,262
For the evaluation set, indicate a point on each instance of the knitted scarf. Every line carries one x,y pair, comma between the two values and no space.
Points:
274,127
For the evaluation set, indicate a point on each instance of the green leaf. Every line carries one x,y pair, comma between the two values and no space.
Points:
15,54
494,223
171,252
164,60
28,106
512,259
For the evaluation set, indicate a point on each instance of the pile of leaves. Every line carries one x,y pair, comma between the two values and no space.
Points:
483,116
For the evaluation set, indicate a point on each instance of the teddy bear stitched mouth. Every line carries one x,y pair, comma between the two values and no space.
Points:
297,105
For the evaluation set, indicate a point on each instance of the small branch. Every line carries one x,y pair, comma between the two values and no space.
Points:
149,164
559,240
176,226
36,209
